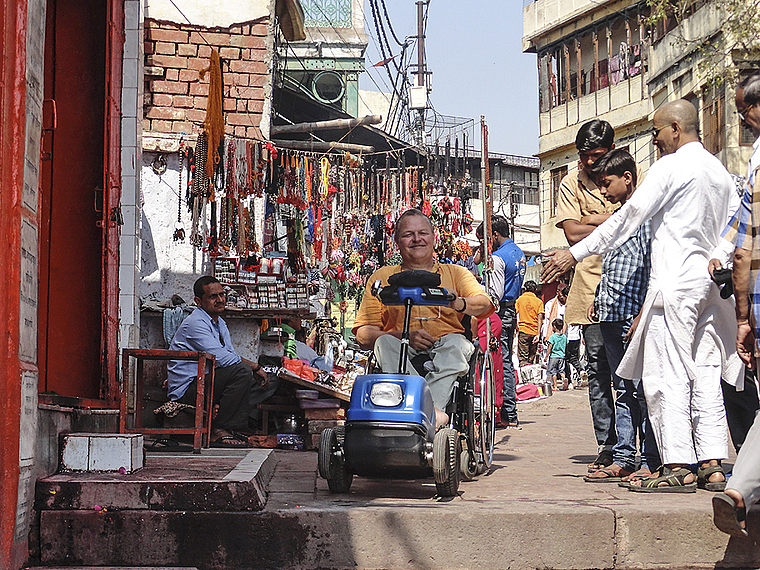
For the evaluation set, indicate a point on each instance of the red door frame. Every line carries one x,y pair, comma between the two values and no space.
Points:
112,198
13,27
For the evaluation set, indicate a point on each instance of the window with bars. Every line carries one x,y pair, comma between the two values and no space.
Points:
557,174
715,122
746,138
327,13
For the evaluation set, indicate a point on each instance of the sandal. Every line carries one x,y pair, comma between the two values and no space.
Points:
643,473
229,440
727,516
612,474
703,478
166,444
603,460
674,479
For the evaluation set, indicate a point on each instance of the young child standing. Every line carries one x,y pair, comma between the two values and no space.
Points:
619,297
555,354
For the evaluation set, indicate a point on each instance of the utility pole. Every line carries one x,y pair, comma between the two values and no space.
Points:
421,79
486,199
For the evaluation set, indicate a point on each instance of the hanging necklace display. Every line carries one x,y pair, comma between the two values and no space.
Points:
179,231
200,189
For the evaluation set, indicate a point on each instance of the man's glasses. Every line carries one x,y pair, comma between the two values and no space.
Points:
743,114
655,132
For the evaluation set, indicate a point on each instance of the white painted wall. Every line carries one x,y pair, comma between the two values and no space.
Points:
208,14
167,267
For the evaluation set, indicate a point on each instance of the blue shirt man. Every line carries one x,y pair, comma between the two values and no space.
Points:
507,279
196,331
239,384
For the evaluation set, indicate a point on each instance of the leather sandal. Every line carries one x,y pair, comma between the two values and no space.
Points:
643,473
703,478
604,459
674,482
612,474
727,516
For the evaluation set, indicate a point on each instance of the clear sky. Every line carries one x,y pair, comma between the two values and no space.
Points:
474,50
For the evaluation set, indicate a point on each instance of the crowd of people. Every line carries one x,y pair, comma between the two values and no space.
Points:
670,362
679,355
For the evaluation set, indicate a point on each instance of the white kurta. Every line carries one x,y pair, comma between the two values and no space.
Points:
688,195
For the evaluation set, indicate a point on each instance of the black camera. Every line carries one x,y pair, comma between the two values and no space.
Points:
722,278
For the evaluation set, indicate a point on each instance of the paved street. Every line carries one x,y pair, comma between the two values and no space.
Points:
532,510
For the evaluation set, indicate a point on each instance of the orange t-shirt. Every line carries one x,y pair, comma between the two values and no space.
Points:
528,307
438,321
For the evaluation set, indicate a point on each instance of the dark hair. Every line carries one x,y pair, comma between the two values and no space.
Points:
201,283
565,290
595,134
500,225
408,214
530,286
616,162
751,87
558,324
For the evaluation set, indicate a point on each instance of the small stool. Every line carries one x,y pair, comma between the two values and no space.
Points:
201,430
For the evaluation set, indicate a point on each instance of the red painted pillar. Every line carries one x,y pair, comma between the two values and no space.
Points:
13,27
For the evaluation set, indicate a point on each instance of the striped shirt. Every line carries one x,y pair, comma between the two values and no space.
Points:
625,277
742,231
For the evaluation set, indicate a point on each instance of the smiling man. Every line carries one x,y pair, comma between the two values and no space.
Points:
437,331
684,342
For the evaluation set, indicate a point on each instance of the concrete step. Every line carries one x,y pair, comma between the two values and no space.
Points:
111,568
532,510
218,480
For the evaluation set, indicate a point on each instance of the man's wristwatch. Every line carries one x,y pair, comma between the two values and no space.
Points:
258,367
464,305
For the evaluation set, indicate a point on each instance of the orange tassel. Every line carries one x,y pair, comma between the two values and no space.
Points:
214,123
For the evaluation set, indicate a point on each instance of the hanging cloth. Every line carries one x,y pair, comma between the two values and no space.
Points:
214,122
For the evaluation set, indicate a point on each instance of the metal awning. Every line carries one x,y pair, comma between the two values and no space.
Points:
293,107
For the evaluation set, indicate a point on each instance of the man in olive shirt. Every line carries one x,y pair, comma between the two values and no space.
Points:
580,208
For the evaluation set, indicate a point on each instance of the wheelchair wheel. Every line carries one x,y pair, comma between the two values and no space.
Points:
446,462
332,463
468,459
485,412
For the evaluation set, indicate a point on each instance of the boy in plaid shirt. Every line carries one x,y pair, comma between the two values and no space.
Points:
619,297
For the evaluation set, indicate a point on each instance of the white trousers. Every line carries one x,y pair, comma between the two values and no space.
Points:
451,358
688,417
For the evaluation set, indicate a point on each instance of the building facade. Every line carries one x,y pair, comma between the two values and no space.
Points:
602,60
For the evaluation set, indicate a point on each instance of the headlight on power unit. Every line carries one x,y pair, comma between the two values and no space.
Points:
386,394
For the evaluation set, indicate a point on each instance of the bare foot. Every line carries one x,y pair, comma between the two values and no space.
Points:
736,496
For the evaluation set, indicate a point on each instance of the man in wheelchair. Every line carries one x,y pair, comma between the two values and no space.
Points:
437,331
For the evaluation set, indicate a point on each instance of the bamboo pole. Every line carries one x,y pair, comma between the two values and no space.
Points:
323,146
326,125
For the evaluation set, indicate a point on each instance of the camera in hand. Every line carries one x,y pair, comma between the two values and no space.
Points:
722,278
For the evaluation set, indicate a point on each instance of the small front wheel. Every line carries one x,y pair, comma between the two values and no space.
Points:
446,462
332,463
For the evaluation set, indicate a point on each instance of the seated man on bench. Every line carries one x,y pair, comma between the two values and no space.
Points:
437,331
239,384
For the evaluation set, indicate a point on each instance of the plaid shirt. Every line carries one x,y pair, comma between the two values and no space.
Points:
625,277
742,231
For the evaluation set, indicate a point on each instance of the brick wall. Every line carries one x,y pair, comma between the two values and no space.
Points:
175,96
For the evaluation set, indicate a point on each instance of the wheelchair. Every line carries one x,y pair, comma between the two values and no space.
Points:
390,423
